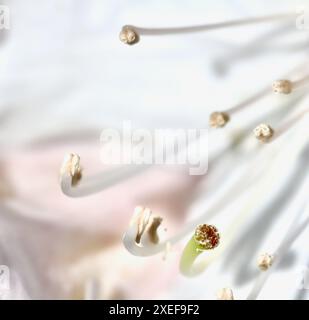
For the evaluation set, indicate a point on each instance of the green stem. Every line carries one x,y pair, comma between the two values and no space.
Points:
187,261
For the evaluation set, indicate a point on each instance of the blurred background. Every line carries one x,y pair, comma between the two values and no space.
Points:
65,76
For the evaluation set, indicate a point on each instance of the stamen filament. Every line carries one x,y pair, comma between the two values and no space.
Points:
213,26
255,197
289,124
93,184
228,113
74,185
294,231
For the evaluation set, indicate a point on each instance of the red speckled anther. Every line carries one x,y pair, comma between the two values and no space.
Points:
206,236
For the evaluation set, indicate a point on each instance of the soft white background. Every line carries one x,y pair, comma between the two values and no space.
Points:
63,70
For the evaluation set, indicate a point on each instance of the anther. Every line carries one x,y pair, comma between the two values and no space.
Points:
263,132
265,261
225,294
128,35
218,119
282,86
